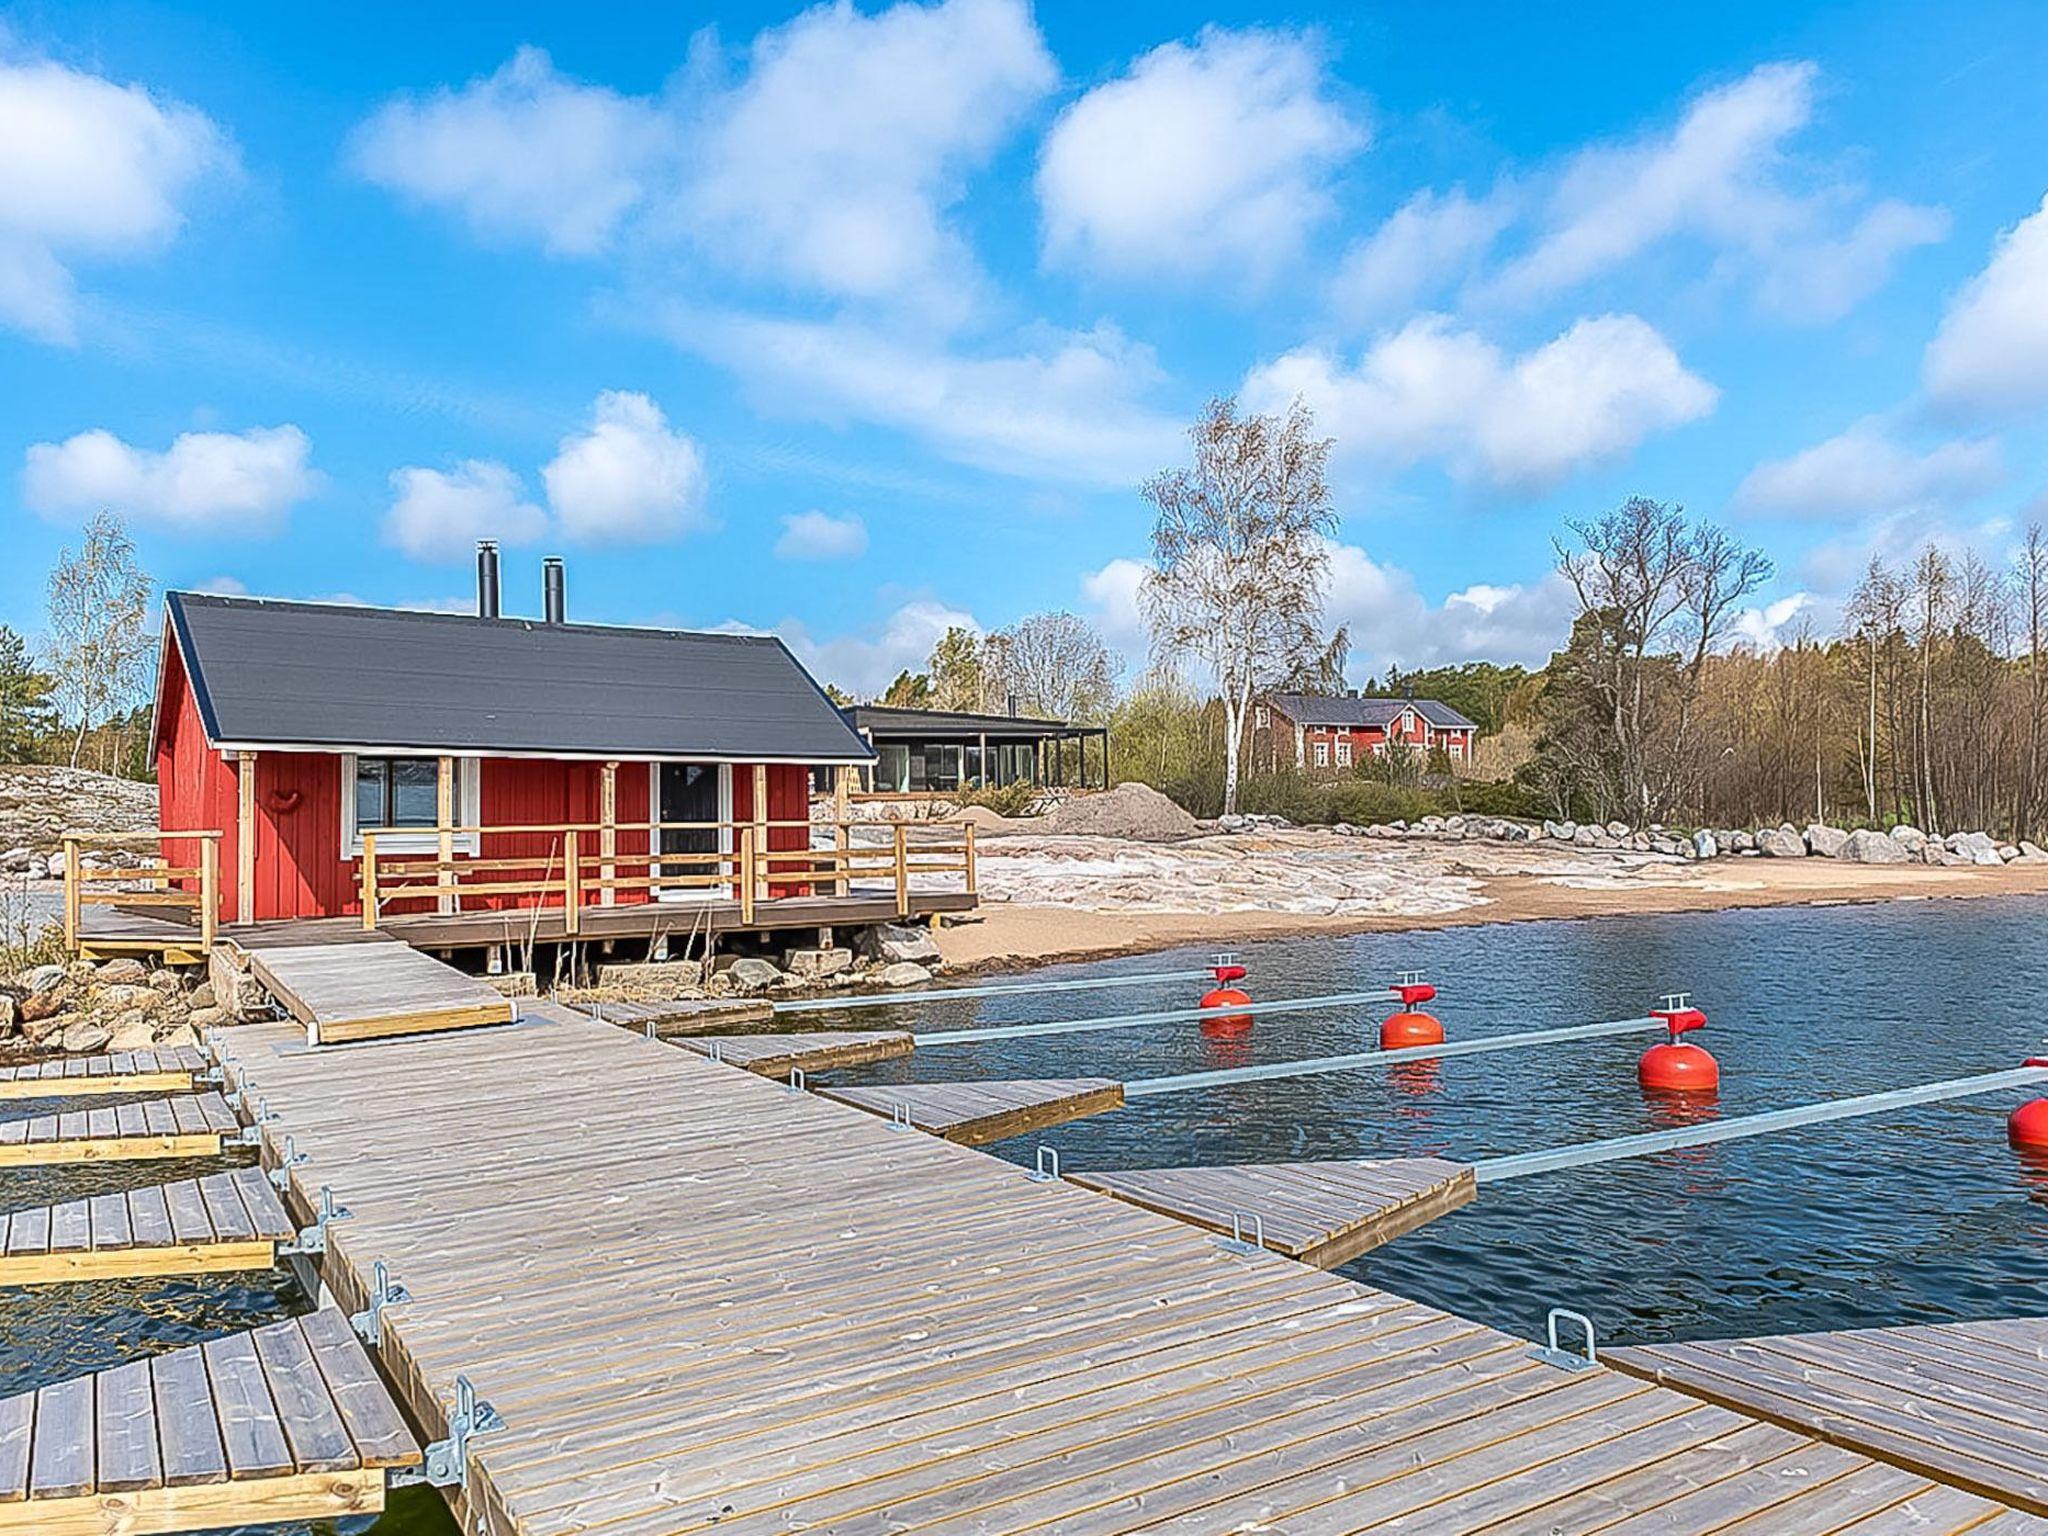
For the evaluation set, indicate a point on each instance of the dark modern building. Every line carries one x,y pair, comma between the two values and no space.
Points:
936,751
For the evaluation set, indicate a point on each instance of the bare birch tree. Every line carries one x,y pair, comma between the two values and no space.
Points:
99,643
1056,664
1240,558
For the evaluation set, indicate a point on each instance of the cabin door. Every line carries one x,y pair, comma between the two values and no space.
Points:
699,794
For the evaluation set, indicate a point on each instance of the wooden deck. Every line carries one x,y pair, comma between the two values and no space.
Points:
1323,1214
816,1051
704,1303
211,1225
975,1114
685,1016
287,1422
344,992
189,1125
76,1077
1964,1403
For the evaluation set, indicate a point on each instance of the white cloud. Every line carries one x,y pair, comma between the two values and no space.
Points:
524,152
439,515
1720,178
224,586
1431,244
1391,623
628,478
831,163
1112,598
1763,627
1211,159
1991,353
821,536
1862,472
1527,422
88,169
1068,409
1834,566
243,481
866,662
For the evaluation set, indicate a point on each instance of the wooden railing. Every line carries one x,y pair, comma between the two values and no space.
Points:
89,887
580,865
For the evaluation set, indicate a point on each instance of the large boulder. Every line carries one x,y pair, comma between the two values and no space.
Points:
132,1032
1704,844
175,1036
43,978
2031,853
814,965
891,943
655,978
1827,842
87,1037
120,998
1866,847
1781,843
1974,848
1909,837
750,975
901,974
123,973
8,1011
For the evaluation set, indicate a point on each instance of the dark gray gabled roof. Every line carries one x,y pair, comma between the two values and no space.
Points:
886,722
268,673
1349,710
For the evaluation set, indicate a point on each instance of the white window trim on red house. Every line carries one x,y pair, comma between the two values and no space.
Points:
468,811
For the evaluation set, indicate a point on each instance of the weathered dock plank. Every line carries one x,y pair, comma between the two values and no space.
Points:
246,1429
977,1113
186,1126
230,1221
1322,1213
683,1016
64,1077
703,1303
353,991
816,1051
1959,1402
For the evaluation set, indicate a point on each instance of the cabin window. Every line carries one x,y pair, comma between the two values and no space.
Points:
1343,751
383,793
892,768
1262,717
1322,754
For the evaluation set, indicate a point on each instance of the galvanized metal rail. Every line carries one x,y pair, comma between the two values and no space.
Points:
1163,1016
1521,1164
994,989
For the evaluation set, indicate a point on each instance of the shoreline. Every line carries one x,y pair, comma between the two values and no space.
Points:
1006,937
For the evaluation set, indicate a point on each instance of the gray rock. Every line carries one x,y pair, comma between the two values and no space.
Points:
15,860
751,975
118,999
2032,853
165,980
901,974
43,978
1909,837
1617,829
123,973
2007,852
1827,842
177,1035
658,976
1563,831
86,1037
8,1015
811,965
1671,847
1866,847
1705,845
202,996
893,942
207,1018
132,1032
1781,843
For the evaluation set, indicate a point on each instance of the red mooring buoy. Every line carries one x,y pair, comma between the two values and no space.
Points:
2027,1129
1678,1066
1410,1026
1233,1024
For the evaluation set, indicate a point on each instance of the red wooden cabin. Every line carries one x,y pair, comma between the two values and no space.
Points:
1335,732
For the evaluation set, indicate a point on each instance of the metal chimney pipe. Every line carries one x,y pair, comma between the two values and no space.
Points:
1010,703
554,600
487,578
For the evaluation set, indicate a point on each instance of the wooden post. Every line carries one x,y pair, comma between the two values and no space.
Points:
746,877
982,749
902,870
968,856
762,841
245,837
369,882
71,893
608,830
209,889
444,825
842,832
572,883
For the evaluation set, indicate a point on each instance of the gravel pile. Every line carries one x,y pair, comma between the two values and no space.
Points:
1135,811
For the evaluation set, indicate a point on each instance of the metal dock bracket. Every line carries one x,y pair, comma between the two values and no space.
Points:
313,1240
251,1135
1555,1354
281,1175
1236,1242
447,1461
899,1116
1047,1169
797,1081
369,1323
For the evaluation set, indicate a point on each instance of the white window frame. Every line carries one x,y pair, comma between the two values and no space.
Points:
1343,751
468,810
1262,717
1322,754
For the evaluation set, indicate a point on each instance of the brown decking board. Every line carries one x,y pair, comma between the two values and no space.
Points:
977,1113
703,1303
211,1225
684,1016
815,1051
1323,1213
288,1422
188,1125
1965,1403
165,1071
344,992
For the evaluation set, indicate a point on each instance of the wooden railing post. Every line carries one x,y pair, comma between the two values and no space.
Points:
369,882
71,901
245,837
842,834
746,874
608,830
444,842
968,857
902,870
209,889
572,884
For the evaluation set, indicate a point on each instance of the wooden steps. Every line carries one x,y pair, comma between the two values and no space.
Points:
816,1051
188,1125
369,991
974,1114
211,1225
66,1077
285,1423
1963,1403
1324,1213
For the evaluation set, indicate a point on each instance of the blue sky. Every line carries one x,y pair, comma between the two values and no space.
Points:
855,322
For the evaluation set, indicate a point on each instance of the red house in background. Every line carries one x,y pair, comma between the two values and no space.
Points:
307,733
1330,733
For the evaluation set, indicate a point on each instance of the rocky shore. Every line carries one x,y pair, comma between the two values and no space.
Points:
116,1005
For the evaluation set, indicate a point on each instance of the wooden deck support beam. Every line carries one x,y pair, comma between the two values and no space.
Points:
444,832
245,837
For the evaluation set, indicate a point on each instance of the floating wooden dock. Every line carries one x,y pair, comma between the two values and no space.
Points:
77,1077
1963,1403
1323,1214
704,1303
816,1051
211,1225
975,1114
284,1423
359,991
686,1016
188,1125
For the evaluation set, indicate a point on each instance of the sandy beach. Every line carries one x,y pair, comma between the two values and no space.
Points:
1071,899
